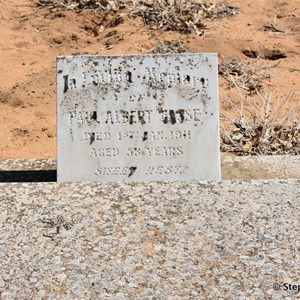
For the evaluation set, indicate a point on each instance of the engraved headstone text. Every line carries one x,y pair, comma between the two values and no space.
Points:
138,118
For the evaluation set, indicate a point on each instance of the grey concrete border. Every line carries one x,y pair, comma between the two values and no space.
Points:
233,167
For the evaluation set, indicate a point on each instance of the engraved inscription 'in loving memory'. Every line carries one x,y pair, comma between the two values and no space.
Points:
117,76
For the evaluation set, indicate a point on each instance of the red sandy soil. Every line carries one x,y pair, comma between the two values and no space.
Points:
31,39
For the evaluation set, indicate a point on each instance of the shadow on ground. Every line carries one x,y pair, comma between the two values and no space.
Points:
28,176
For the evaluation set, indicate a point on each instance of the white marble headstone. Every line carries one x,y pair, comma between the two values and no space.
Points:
138,118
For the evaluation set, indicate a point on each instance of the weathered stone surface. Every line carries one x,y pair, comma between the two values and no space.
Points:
138,118
222,240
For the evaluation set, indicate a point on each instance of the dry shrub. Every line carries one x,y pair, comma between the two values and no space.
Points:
243,75
184,16
107,5
165,47
262,126
181,16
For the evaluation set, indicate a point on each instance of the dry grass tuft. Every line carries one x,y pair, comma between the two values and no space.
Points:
107,5
165,47
184,16
181,16
258,129
243,75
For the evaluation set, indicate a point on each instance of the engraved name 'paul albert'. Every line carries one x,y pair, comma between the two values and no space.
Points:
134,116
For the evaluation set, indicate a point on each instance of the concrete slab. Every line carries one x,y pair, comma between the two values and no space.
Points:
260,167
233,167
197,240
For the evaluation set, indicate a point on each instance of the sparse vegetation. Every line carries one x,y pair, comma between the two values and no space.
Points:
243,75
165,47
181,16
184,16
106,5
262,126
